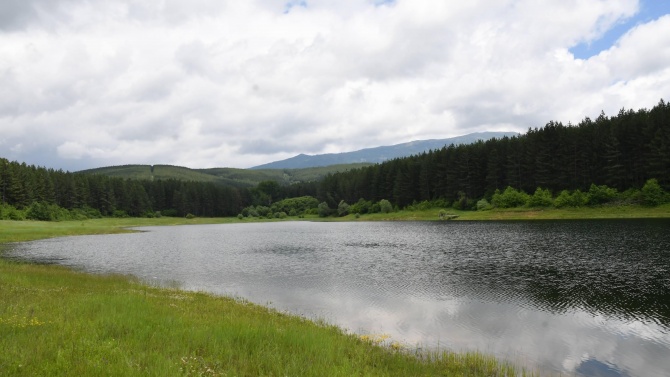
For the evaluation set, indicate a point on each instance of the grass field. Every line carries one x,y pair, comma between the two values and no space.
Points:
57,322
604,212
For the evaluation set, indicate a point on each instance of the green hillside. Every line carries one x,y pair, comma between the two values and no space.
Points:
228,176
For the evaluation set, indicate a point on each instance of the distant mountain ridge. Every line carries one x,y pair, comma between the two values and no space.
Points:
379,154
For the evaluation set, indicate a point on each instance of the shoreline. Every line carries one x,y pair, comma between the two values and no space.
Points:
63,306
29,230
90,324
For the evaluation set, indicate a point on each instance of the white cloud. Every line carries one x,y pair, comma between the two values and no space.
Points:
109,82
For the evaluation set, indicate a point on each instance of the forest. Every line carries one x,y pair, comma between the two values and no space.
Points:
609,157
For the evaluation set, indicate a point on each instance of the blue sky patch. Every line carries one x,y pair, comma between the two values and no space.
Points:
296,3
649,10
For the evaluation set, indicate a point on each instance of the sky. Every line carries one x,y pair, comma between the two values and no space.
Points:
219,83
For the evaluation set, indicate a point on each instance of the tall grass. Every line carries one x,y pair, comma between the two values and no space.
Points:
56,322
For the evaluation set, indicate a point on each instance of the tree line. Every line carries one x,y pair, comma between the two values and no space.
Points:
38,193
621,152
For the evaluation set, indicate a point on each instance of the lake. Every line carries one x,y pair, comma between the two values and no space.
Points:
587,298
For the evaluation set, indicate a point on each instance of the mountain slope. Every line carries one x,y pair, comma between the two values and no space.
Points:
378,154
228,176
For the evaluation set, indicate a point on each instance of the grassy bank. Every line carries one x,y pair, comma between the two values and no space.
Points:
57,322
604,212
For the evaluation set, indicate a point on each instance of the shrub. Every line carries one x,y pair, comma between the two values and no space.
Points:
119,213
362,207
9,212
170,213
652,193
190,216
385,206
483,205
324,210
510,198
263,211
40,211
541,198
240,216
299,204
93,213
601,194
343,208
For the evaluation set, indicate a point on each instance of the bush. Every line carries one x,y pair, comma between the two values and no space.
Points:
385,206
601,194
362,207
483,205
8,212
280,215
190,216
541,198
170,213
343,208
324,210
652,193
510,198
119,213
263,211
40,211
240,216
299,204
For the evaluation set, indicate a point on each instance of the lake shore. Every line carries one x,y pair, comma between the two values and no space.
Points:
16,231
88,324
56,321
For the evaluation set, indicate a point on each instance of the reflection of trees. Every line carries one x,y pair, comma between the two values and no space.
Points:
560,289
623,273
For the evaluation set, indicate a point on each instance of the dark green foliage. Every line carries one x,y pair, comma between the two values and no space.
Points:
296,205
43,211
343,208
541,198
8,212
567,199
601,194
42,194
619,152
362,206
324,210
652,194
510,198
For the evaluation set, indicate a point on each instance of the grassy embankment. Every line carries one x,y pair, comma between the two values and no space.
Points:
603,212
57,322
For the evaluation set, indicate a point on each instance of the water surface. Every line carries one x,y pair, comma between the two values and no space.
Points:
590,298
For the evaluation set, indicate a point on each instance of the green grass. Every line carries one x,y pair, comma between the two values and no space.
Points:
57,322
604,212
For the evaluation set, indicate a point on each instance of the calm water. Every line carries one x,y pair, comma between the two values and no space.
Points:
590,298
